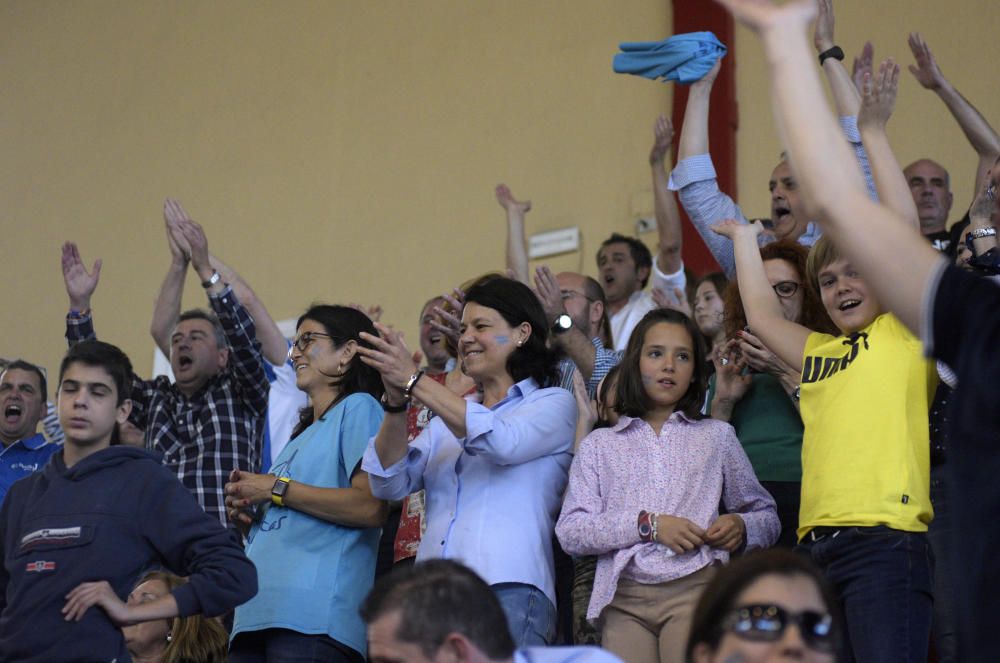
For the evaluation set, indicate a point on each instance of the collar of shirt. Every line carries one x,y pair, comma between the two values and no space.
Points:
36,441
625,421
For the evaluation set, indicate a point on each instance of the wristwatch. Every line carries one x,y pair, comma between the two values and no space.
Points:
562,324
212,280
393,409
279,489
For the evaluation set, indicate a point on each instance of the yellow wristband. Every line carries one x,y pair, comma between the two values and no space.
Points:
279,490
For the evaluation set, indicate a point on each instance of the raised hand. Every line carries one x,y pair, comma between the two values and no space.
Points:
195,236
449,322
507,201
679,534
878,95
764,16
678,301
863,64
823,34
173,215
80,284
549,294
663,135
926,70
733,229
758,357
731,385
727,532
390,357
984,206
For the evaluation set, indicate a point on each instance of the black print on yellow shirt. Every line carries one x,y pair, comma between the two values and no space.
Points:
815,369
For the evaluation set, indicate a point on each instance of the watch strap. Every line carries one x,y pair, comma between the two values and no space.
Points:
279,489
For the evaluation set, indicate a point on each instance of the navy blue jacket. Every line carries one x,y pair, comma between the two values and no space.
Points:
112,516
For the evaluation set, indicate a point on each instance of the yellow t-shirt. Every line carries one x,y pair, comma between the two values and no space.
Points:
865,451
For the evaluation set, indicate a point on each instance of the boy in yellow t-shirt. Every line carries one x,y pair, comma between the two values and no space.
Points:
865,451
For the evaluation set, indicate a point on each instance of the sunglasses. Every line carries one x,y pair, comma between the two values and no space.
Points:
767,623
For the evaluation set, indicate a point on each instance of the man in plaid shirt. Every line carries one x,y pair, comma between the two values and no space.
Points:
210,421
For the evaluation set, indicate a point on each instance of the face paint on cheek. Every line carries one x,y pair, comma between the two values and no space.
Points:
502,340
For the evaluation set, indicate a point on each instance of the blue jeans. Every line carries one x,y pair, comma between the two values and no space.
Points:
279,645
883,579
531,616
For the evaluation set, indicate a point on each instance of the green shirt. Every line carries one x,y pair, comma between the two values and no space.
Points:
769,428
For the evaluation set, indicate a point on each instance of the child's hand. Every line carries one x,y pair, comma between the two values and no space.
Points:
727,532
679,534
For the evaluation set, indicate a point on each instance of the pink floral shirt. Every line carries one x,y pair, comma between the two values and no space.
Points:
684,471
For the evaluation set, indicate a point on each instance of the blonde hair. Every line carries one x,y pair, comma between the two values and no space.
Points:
194,639
822,254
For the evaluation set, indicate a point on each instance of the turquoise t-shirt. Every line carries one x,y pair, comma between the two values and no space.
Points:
313,574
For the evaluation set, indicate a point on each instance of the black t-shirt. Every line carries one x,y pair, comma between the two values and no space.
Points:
941,240
966,336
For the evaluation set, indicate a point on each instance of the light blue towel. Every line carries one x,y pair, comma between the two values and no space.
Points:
683,58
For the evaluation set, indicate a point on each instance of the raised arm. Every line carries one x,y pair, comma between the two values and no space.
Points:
668,218
764,313
273,344
977,130
575,342
694,176
80,284
831,187
517,251
845,94
167,308
879,100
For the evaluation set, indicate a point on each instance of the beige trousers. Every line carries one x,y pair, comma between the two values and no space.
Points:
650,623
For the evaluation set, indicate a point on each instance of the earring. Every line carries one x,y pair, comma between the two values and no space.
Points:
170,636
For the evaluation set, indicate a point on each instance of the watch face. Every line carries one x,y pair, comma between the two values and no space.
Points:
280,488
562,323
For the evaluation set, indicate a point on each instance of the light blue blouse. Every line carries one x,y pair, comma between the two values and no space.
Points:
492,496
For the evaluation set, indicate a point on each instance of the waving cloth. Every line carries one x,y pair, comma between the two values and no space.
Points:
683,58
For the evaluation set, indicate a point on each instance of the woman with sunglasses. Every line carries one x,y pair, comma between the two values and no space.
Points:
757,393
314,520
494,467
768,605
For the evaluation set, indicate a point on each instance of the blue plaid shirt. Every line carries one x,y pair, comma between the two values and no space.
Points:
604,360
204,437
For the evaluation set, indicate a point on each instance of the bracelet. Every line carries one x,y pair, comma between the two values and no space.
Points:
411,383
988,231
837,53
393,409
82,313
212,280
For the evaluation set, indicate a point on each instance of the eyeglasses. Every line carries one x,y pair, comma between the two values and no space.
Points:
303,342
767,623
785,289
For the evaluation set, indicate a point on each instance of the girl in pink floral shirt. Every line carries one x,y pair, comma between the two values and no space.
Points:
644,496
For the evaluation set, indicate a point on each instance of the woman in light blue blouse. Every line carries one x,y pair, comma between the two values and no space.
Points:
494,468
315,535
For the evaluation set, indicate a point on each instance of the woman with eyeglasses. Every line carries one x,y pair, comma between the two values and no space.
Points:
768,605
493,466
757,393
314,520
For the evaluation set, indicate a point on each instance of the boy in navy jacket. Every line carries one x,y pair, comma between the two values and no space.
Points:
76,536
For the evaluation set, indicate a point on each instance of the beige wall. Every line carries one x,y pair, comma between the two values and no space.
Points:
339,151
347,151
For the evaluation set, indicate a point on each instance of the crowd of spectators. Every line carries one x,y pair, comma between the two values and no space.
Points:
793,456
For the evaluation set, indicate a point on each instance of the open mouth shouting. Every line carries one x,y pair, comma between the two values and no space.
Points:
849,304
12,414
781,214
